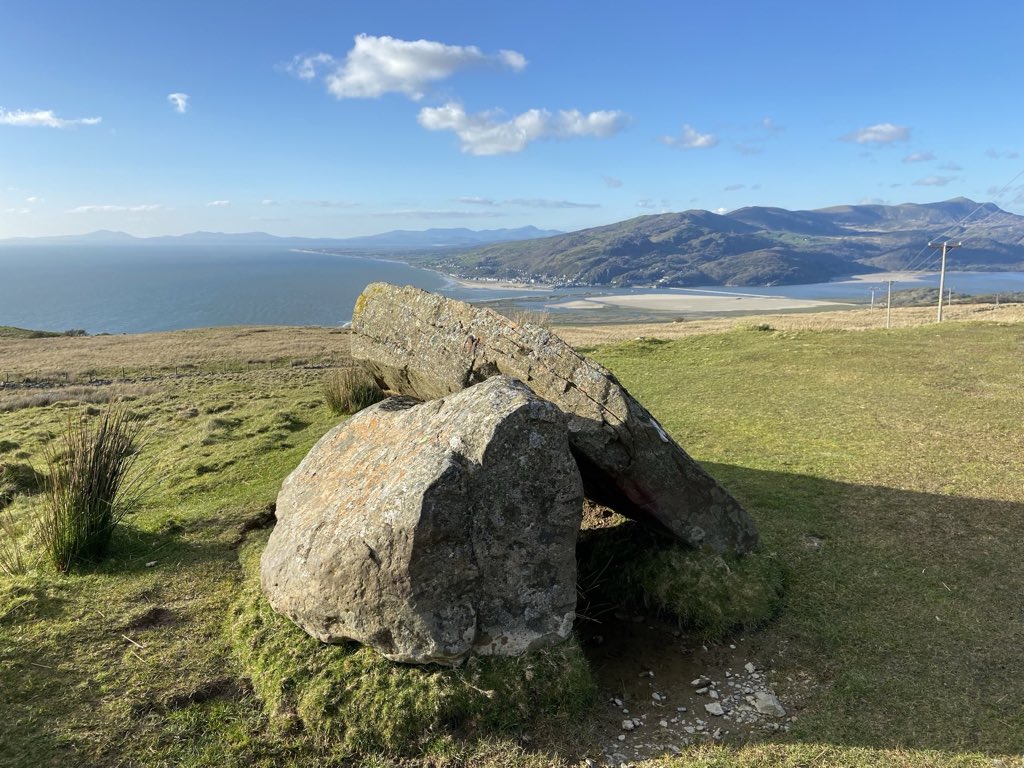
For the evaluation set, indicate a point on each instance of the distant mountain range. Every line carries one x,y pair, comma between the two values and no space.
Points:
396,240
755,246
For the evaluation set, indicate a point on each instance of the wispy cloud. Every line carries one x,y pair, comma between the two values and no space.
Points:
33,199
433,214
950,166
179,101
378,65
770,125
733,187
540,202
473,200
691,139
649,204
218,204
18,211
919,157
115,208
612,182
329,203
880,133
44,118
269,202
934,181
997,154
484,133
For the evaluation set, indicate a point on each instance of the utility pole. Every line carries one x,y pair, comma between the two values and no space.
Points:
945,246
888,306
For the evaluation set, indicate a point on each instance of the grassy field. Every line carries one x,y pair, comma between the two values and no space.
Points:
886,469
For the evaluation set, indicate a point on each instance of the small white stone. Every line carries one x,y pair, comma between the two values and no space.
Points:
713,694
628,725
663,723
714,708
749,666
622,737
702,690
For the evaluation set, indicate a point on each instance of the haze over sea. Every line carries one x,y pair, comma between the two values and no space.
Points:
123,289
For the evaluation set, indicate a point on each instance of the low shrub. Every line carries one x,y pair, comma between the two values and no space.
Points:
708,593
89,487
349,390
353,699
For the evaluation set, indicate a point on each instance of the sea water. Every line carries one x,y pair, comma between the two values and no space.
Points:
132,289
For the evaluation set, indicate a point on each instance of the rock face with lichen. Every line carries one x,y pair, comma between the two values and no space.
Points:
427,346
433,530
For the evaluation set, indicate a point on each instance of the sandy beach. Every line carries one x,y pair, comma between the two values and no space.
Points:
695,302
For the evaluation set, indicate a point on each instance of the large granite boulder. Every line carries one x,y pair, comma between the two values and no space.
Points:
431,531
427,346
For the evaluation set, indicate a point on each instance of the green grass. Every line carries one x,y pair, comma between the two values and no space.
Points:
883,468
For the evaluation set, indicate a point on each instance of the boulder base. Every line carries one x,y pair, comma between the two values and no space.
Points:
427,346
432,531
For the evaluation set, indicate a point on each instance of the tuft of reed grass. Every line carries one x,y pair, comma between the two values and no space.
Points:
12,556
90,487
349,390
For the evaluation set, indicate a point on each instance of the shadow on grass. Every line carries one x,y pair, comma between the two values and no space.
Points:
906,609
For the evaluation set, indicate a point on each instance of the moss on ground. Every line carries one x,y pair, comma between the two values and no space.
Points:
350,697
705,592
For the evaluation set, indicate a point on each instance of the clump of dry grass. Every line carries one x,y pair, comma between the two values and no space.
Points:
96,395
349,390
90,487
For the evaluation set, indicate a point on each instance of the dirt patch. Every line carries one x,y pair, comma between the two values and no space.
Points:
661,690
154,618
263,519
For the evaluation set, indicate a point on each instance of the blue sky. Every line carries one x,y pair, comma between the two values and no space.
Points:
346,118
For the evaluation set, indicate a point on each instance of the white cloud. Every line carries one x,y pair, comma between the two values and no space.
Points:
540,202
115,208
218,204
269,202
179,101
691,139
919,157
934,181
379,65
771,126
473,200
733,187
42,118
996,154
951,166
18,211
612,182
721,211
881,133
484,133
33,199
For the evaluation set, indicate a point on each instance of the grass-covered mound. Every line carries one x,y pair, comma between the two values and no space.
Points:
355,700
705,592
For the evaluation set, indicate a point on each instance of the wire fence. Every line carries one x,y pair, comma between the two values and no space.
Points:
39,379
